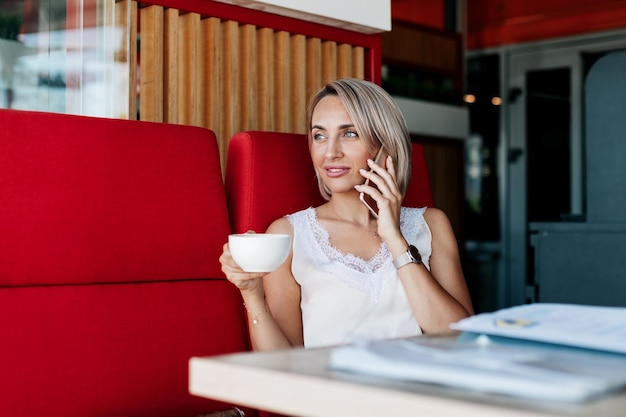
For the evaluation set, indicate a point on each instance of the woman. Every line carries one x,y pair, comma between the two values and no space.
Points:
354,273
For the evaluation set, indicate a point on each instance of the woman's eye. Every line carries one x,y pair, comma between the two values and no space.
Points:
351,134
318,136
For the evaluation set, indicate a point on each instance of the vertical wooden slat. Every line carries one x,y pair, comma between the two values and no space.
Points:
212,46
188,72
298,84
329,61
170,66
313,66
126,19
201,68
230,81
151,88
358,62
281,81
198,76
344,60
265,79
248,77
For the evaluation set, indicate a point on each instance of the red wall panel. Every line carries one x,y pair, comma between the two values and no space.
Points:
499,22
429,13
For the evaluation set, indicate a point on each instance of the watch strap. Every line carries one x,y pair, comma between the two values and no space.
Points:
408,257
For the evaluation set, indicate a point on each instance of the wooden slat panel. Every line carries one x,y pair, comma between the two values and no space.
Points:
188,69
212,46
170,66
314,67
298,84
344,60
151,88
358,62
281,81
230,81
247,77
265,80
200,76
230,77
329,61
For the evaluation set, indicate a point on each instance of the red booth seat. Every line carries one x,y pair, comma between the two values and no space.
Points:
270,174
110,233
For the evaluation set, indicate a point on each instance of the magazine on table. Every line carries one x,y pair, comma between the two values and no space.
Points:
547,363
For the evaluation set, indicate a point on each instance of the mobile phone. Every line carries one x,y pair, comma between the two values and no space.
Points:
369,202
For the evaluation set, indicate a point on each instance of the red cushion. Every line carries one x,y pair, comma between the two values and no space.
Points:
98,200
268,175
113,349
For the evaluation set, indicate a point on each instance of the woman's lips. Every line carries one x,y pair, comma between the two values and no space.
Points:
335,171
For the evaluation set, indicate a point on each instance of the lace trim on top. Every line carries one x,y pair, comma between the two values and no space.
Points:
368,276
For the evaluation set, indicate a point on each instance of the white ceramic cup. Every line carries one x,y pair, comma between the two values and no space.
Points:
259,252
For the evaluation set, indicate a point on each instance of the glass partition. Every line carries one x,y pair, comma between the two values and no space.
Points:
64,57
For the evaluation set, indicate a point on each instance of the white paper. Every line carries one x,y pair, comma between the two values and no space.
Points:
591,327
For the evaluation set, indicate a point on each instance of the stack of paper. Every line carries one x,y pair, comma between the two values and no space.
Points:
484,363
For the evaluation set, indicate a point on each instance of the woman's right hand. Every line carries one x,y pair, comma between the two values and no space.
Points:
245,281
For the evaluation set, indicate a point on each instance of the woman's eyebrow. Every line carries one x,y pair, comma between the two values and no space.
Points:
346,126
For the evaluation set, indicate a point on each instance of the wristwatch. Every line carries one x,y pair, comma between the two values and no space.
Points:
411,255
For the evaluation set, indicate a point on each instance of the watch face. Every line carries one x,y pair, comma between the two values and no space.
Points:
415,254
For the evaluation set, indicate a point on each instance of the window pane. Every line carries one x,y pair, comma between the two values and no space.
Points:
65,57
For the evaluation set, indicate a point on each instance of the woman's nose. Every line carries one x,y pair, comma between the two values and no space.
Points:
333,149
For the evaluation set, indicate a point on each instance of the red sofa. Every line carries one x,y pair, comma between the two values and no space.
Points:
110,233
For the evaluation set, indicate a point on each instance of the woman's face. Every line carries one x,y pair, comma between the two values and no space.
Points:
336,149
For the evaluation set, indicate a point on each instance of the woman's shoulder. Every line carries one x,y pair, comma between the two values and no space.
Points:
286,223
281,225
433,214
437,219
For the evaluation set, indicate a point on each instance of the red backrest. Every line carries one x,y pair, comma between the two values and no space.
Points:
110,233
269,175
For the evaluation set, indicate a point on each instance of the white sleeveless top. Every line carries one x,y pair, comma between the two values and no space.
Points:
347,298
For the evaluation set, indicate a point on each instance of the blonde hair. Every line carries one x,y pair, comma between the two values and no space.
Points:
377,118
